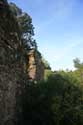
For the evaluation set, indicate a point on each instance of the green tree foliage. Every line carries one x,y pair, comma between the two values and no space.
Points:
78,64
26,27
57,101
47,67
15,10
27,41
46,63
47,73
79,69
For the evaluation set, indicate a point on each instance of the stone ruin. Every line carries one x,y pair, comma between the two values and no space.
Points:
10,68
35,65
9,38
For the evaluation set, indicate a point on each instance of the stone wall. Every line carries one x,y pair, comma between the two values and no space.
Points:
35,65
10,70
9,42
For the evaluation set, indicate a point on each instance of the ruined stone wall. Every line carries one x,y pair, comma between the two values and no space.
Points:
35,66
9,41
10,69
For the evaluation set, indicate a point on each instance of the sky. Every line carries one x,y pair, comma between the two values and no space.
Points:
58,29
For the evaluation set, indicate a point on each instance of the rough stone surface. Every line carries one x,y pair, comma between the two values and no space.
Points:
35,66
10,72
8,83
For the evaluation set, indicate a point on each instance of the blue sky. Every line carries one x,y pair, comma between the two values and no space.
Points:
58,29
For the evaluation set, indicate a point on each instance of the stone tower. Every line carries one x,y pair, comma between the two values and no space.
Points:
35,65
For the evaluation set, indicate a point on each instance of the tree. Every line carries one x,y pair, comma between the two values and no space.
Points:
25,25
15,10
47,74
27,41
77,63
57,101
79,66
46,63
